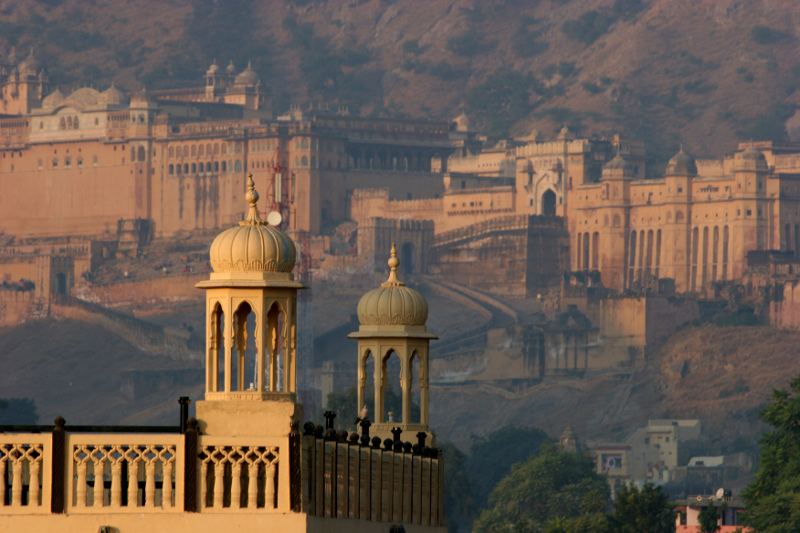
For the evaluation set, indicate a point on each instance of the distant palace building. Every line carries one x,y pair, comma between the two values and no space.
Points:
175,160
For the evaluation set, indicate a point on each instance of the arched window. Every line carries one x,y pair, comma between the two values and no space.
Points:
171,152
216,148
243,360
55,162
186,151
208,149
390,409
186,168
62,124
67,162
75,123
297,143
201,150
141,118
178,169
414,366
194,168
80,162
69,123
224,148
224,166
194,150
171,170
216,166
304,162
142,154
304,144
238,166
208,167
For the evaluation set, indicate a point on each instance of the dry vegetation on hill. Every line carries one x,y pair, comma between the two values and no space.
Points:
720,375
705,73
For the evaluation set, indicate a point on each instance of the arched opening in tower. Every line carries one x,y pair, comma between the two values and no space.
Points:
391,388
549,203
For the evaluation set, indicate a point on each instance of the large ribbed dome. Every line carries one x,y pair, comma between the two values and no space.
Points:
247,77
253,245
393,303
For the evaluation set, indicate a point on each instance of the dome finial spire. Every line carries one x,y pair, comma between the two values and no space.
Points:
252,218
394,262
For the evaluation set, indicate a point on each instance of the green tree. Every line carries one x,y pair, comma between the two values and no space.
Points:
709,519
458,504
554,485
773,498
491,456
642,511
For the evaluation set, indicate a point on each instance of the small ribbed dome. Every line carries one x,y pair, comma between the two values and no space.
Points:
30,65
247,77
618,162
253,245
753,157
682,164
393,303
618,167
53,99
213,68
114,96
230,69
752,154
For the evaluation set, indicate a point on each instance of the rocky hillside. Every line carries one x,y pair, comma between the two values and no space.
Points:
722,376
702,72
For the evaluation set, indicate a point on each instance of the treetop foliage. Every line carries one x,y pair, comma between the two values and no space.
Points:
773,498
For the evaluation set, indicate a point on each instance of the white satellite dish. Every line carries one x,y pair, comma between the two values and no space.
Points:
274,218
720,494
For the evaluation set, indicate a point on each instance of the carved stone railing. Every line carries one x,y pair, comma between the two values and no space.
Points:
25,471
124,473
347,479
158,470
243,473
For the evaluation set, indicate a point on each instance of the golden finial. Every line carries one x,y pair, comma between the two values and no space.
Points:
252,218
394,262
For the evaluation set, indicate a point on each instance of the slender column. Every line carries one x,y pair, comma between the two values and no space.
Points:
423,386
378,377
362,380
166,483
291,348
261,345
33,484
285,345
228,351
98,455
405,384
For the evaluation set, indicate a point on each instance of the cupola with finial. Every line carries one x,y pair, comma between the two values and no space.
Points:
392,324
251,319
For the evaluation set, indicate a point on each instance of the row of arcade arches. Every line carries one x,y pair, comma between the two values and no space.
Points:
393,371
